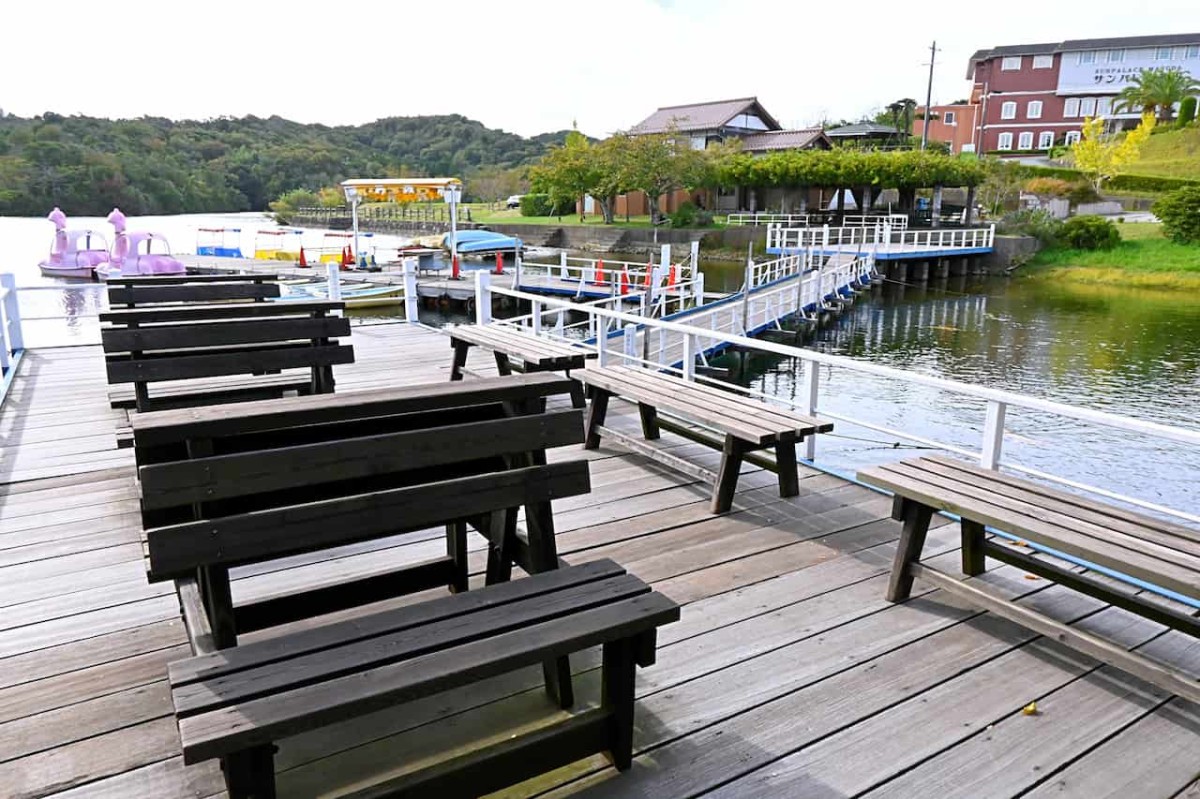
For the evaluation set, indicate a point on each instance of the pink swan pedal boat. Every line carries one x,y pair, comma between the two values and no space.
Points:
138,253
74,253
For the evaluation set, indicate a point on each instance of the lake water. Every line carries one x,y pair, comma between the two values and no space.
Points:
1131,352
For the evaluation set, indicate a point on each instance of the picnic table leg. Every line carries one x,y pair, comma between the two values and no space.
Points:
502,530
250,774
972,548
456,548
785,464
503,365
617,695
460,358
595,417
649,415
908,550
577,400
732,453
218,602
543,557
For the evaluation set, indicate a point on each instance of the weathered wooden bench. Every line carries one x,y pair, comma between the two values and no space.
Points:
295,476
746,424
186,347
1119,541
141,292
533,353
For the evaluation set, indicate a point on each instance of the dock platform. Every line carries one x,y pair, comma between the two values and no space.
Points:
789,675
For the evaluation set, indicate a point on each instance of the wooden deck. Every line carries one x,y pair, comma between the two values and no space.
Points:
788,675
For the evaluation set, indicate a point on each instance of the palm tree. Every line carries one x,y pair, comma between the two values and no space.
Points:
1157,90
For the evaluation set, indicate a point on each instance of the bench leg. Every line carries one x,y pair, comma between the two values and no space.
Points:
617,699
595,417
785,463
456,548
972,548
251,774
732,454
460,359
218,603
577,400
503,365
502,530
649,416
543,557
908,550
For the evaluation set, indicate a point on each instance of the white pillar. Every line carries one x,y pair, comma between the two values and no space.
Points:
335,281
630,341
993,435
664,256
562,265
412,297
536,317
483,297
602,340
689,356
12,312
812,379
517,266
698,288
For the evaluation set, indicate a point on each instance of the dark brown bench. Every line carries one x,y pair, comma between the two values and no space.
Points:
516,351
747,424
1151,550
226,486
144,291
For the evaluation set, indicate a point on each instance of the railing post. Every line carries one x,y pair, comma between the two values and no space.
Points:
630,344
993,435
825,236
695,259
689,356
812,380
601,340
412,299
335,281
483,297
558,324
535,308
12,312
562,265
698,288
517,266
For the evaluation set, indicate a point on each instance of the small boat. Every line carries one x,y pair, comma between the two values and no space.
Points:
482,242
280,244
74,253
354,297
222,242
137,253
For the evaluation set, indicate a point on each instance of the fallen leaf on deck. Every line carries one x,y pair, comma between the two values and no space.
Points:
1030,709
1032,577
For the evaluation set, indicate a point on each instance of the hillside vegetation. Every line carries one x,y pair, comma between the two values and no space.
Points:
1171,154
87,165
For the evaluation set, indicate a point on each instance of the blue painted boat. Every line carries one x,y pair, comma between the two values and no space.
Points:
479,242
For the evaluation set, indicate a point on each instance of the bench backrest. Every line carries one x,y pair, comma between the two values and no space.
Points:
284,491
150,291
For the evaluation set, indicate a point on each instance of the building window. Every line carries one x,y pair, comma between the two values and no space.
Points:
1087,107
1104,106
1071,107
1116,56
1043,62
1163,53
1034,109
1025,141
1008,110
1086,57
1045,140
1004,142
1193,51
1071,138
948,117
1011,63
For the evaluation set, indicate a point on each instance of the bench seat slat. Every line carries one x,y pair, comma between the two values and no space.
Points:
934,495
198,312
212,364
213,334
1165,532
168,427
535,347
187,394
269,719
1022,508
315,639
249,684
260,471
175,551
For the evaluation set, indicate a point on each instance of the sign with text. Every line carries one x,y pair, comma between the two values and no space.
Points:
1102,76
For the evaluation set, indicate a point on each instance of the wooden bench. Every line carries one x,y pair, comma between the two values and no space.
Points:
234,704
1140,547
534,353
746,424
187,346
140,292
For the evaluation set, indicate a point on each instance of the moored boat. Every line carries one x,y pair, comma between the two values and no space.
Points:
481,242
74,253
353,296
137,253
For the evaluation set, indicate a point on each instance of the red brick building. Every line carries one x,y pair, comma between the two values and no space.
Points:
1034,96
955,125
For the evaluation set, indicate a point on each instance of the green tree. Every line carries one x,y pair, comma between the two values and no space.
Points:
1157,91
567,173
1102,155
661,163
1187,111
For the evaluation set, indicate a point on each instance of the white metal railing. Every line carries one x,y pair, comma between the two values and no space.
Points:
897,221
12,341
690,340
881,238
584,276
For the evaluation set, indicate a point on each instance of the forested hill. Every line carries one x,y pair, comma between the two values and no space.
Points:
87,165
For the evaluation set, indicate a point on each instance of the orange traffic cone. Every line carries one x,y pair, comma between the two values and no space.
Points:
649,275
625,282
671,277
599,281
454,268
499,263
303,260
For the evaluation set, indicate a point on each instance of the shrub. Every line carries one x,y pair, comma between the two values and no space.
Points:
689,215
1180,215
1034,222
1083,193
1089,233
1048,187
1187,111
542,205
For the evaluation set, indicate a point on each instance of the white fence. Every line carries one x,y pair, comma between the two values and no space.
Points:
881,238
679,339
897,221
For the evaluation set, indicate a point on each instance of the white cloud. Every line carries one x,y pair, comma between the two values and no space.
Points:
528,66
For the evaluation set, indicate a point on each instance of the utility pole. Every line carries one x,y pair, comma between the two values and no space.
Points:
928,96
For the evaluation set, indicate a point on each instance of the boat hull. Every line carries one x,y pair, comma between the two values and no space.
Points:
73,272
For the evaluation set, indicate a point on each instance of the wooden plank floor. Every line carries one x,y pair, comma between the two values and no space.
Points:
788,674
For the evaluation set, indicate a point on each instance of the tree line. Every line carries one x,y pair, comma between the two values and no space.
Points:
88,165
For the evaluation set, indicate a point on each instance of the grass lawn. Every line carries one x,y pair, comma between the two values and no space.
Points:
1144,258
1173,154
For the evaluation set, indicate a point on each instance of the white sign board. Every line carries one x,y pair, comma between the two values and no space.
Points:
1102,76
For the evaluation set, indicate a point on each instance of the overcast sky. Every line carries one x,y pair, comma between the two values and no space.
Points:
527,66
